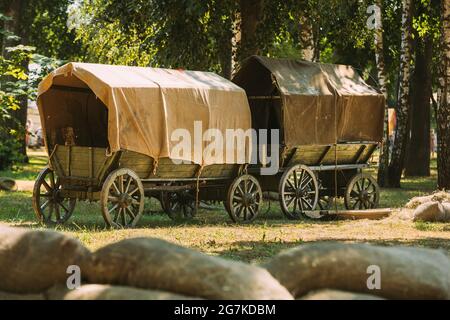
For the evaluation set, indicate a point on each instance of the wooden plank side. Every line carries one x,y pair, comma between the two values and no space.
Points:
326,155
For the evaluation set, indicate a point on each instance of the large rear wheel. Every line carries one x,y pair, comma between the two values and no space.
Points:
49,205
298,191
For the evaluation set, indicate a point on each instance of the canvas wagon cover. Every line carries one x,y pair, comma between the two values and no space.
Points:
322,103
145,105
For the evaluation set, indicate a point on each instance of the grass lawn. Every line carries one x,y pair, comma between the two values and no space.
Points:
212,232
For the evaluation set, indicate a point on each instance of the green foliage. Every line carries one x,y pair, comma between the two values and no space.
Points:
13,85
46,29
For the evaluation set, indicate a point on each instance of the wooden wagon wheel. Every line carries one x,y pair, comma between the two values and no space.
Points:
362,192
179,205
49,205
122,199
244,199
298,191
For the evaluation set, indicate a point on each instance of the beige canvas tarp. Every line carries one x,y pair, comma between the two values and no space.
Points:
321,103
145,106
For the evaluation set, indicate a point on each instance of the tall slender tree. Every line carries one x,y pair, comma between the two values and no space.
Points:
250,16
398,156
14,26
443,109
381,73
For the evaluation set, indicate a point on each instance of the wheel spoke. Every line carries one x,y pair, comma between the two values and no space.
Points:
45,184
307,203
358,186
57,212
116,188
64,207
45,204
239,211
240,190
113,208
113,199
116,215
130,213
122,215
252,186
252,211
295,205
290,185
304,184
300,205
52,179
288,202
295,179
129,180
134,191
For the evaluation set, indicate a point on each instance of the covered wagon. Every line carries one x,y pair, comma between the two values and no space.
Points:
330,123
111,132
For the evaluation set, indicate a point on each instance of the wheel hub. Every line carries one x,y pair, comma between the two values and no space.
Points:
248,199
364,195
124,200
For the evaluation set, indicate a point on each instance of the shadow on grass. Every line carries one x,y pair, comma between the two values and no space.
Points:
259,251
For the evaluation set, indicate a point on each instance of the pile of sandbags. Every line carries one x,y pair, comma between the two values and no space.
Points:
157,264
404,272
439,196
431,208
34,265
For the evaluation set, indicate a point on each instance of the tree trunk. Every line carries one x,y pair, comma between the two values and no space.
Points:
397,162
443,109
418,155
250,16
13,26
381,72
306,38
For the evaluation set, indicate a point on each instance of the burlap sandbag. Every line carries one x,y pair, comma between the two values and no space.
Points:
430,212
446,208
439,196
327,294
160,265
31,261
406,273
108,292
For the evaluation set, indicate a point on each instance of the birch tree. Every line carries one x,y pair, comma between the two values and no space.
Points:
377,24
443,110
398,156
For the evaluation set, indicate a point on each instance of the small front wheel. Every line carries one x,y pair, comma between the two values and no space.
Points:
122,199
362,192
244,199
49,205
179,205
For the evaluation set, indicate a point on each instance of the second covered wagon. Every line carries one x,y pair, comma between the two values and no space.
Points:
330,123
